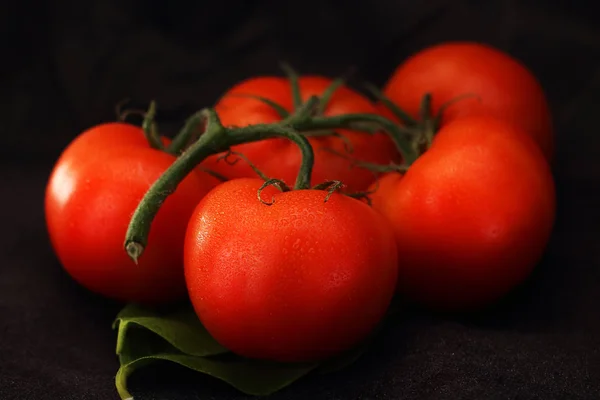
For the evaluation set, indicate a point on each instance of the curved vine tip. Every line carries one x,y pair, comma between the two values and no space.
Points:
278,183
149,128
134,250
122,114
242,157
337,185
119,108
225,158
150,114
330,186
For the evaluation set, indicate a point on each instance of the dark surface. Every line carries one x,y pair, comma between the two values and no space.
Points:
68,64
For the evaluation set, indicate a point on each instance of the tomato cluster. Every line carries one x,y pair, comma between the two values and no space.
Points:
306,273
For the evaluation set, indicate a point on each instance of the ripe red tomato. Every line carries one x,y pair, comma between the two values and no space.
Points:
92,192
472,215
504,87
301,279
101,140
279,158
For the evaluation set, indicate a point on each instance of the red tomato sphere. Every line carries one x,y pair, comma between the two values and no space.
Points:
301,279
90,197
280,158
502,87
472,215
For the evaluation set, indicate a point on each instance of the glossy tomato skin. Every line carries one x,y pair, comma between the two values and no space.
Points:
90,197
301,279
280,158
102,140
503,87
472,216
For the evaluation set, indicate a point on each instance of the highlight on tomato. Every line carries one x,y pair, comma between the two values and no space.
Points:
471,216
294,276
268,99
94,188
472,79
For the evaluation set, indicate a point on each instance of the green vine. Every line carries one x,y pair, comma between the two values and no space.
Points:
204,135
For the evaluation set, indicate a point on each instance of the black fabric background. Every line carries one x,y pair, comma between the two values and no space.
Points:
66,63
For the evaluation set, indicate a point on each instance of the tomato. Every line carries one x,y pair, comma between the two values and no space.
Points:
279,158
502,87
471,216
301,279
91,195
101,140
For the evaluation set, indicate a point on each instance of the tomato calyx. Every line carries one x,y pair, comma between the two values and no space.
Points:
422,129
367,123
298,105
320,107
330,186
316,108
419,133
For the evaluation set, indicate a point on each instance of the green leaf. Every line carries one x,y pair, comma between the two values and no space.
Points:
176,335
181,328
248,376
141,347
146,336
